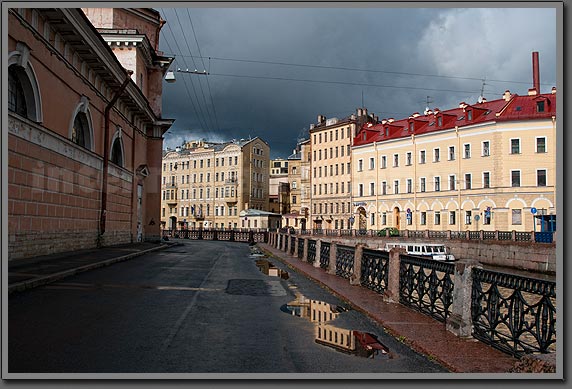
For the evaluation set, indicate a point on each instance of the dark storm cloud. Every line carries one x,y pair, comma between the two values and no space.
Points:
463,43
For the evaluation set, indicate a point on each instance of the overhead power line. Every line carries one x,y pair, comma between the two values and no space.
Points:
358,69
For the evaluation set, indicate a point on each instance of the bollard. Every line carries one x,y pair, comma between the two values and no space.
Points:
391,294
318,252
333,257
355,278
460,322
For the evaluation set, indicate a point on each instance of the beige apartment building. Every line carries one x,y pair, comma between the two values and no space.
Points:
208,185
330,146
487,166
279,190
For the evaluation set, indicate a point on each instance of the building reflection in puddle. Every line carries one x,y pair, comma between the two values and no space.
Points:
269,269
320,313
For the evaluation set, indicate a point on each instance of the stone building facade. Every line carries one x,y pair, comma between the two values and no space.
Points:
207,184
84,140
485,166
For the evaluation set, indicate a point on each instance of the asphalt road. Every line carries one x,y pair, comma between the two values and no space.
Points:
202,307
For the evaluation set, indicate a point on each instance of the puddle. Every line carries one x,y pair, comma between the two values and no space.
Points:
359,343
269,269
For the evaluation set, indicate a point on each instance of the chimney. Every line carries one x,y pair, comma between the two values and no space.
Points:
535,72
506,96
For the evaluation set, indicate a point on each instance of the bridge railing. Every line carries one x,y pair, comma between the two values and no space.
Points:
481,235
514,314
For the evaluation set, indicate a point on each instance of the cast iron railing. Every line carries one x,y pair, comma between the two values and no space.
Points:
292,244
300,248
345,257
512,313
374,270
311,250
426,285
325,255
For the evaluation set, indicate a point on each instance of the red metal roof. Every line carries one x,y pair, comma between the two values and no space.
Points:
517,108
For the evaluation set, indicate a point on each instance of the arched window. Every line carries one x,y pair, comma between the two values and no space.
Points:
117,152
23,92
81,131
16,98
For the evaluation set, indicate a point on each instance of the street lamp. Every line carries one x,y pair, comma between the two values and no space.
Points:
170,77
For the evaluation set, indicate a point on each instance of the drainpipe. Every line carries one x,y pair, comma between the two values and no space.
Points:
106,151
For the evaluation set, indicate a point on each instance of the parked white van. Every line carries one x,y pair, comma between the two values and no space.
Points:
436,251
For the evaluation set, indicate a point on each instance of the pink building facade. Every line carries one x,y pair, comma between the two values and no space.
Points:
84,129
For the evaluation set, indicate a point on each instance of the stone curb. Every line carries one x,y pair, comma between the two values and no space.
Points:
43,280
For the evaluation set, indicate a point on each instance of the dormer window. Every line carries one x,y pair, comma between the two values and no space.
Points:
411,126
470,115
540,106
440,121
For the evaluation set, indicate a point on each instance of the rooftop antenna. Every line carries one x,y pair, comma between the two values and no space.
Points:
482,96
428,100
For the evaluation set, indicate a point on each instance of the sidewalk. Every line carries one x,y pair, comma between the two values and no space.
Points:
31,272
420,332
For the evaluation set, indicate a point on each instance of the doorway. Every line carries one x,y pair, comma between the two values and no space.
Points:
396,218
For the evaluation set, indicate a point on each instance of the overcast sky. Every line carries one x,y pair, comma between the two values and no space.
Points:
394,57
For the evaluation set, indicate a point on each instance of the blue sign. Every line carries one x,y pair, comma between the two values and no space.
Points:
477,217
409,210
408,216
533,210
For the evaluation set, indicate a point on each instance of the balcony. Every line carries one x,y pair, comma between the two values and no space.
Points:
170,186
231,181
199,216
172,202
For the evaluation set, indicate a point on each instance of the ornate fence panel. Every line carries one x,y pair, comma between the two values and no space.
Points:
487,235
374,270
311,250
194,234
345,257
325,255
345,232
458,235
505,235
514,314
416,234
241,236
292,244
475,235
426,285
438,234
543,237
300,248
224,234
260,236
523,236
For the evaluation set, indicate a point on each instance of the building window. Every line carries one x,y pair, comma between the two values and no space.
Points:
540,106
436,155
469,115
467,151
409,185
384,218
437,218
360,190
468,181
384,188
422,184
372,219
452,182
451,153
422,156
293,199
16,96
372,188
371,163
423,217
117,152
395,160
383,162
360,165
541,145
486,179
517,216
515,178
396,187
541,177
437,184
468,217
452,217
515,146
486,148
408,158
